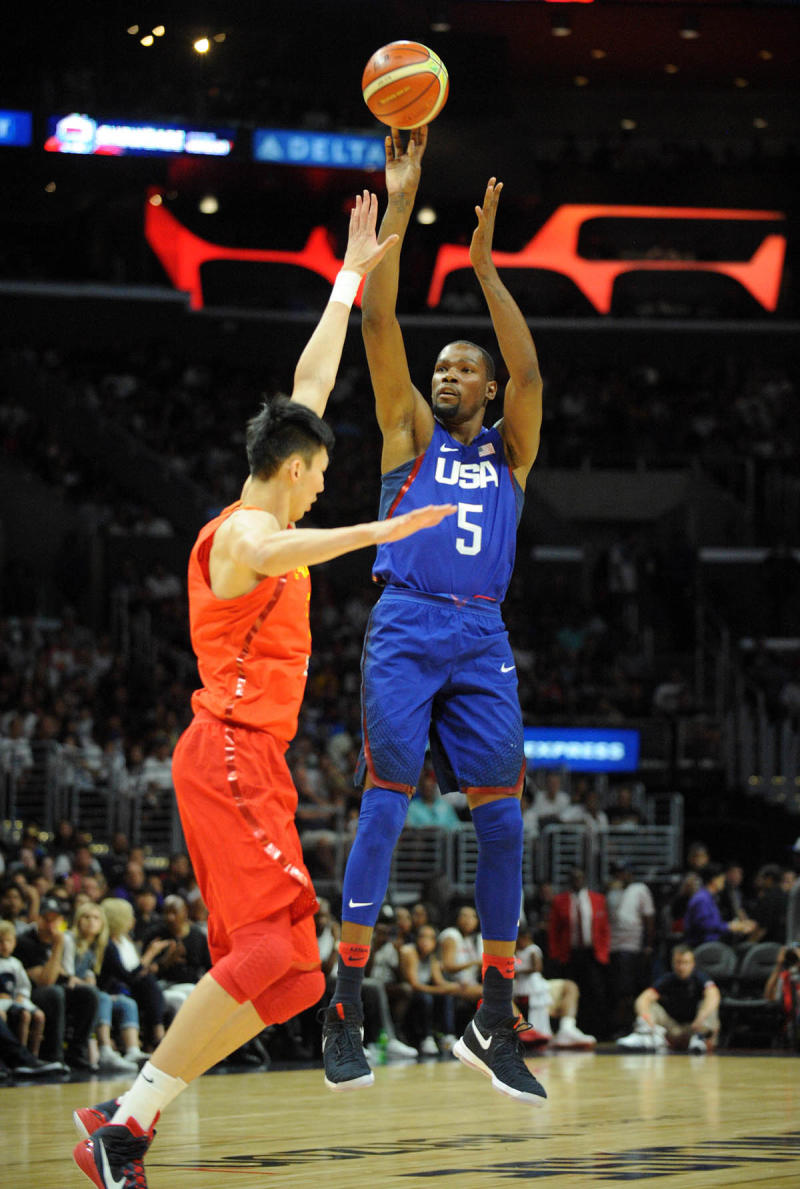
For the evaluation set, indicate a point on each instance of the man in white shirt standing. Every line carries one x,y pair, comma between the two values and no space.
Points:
632,918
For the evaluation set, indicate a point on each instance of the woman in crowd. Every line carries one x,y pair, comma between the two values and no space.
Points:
124,971
90,930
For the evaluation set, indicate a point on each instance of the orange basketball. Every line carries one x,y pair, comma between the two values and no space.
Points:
405,84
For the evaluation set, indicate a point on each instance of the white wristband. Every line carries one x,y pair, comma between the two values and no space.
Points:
345,287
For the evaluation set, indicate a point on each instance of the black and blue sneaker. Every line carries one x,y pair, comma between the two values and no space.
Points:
112,1158
346,1065
498,1053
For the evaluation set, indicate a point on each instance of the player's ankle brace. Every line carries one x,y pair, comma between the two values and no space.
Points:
366,877
260,954
498,880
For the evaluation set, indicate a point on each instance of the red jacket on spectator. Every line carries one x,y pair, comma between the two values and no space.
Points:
560,927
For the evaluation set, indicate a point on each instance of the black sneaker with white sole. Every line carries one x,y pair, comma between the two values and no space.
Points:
346,1065
498,1053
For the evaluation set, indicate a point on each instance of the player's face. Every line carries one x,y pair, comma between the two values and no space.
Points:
7,941
459,387
309,484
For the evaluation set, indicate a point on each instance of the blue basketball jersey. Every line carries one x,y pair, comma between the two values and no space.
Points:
470,554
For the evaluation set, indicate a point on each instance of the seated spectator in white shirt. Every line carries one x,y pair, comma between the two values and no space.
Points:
552,801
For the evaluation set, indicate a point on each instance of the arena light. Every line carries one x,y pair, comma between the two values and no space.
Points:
147,40
689,28
560,25
426,215
208,204
159,31
202,45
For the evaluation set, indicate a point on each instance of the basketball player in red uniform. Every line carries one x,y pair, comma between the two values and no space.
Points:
248,601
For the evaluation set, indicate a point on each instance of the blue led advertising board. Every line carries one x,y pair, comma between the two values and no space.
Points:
582,749
332,150
86,136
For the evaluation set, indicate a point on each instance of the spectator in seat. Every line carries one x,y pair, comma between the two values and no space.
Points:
421,970
186,959
124,972
90,934
551,802
460,956
427,808
703,920
47,953
16,1006
680,1010
770,907
578,942
546,999
15,908
621,811
730,899
783,985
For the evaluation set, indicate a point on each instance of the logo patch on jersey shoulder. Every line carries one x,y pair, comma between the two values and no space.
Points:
300,573
486,448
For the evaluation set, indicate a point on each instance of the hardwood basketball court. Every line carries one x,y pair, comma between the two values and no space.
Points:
610,1119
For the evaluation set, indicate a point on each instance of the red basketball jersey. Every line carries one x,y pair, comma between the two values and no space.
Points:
252,651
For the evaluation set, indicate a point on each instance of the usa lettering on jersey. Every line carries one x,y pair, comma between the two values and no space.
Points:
467,475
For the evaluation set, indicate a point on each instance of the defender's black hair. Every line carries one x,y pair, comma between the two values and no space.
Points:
284,427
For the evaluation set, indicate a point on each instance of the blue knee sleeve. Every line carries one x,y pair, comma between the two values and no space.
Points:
366,877
498,881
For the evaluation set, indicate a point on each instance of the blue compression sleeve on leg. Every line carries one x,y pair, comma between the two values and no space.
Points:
498,881
366,877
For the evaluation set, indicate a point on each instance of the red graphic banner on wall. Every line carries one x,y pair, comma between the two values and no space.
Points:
554,248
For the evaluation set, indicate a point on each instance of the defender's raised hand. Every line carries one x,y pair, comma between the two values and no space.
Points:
411,522
363,251
404,165
480,249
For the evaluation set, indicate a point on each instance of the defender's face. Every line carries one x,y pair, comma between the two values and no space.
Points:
308,485
459,387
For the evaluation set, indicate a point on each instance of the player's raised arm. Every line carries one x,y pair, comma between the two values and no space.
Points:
315,374
404,417
522,409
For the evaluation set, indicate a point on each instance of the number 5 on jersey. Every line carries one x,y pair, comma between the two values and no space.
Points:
472,544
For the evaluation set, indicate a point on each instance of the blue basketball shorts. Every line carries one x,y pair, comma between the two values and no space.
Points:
434,670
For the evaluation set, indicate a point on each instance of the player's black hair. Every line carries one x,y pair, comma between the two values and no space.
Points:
710,871
284,427
488,362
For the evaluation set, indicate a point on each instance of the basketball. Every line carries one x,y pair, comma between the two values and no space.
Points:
405,84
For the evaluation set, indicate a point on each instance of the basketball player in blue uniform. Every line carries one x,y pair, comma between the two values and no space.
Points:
436,661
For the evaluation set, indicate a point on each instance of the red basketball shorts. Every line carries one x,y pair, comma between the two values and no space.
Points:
237,804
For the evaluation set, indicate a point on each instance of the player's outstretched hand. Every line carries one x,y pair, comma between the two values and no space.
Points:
404,165
363,251
411,522
480,249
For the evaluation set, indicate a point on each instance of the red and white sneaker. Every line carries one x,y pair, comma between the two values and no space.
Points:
112,1158
87,1119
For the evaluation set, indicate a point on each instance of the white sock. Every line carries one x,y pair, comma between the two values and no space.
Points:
152,1091
566,1022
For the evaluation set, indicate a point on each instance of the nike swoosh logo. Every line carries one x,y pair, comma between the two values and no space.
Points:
507,668
482,1041
105,1171
360,903
147,1079
448,449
